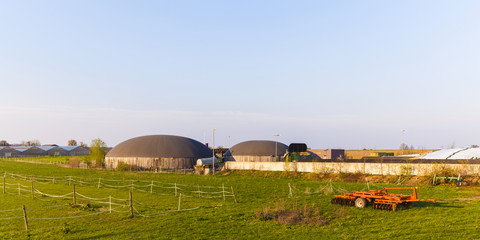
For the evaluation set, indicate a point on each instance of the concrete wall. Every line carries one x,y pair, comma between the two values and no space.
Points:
420,169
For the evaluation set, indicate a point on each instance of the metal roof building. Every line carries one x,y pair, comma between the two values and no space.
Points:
35,151
7,152
27,151
454,153
257,151
158,152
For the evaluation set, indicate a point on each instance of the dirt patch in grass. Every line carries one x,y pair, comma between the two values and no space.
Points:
469,199
290,214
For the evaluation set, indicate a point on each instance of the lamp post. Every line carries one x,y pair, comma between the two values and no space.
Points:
213,150
276,141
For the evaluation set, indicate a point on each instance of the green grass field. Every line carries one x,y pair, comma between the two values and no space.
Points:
208,216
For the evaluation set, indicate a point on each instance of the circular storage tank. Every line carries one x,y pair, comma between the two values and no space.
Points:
158,152
257,151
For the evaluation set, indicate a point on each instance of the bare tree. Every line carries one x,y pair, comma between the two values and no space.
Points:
82,144
474,146
403,146
4,143
31,143
72,142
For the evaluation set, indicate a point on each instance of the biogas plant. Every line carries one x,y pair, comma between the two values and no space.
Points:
169,152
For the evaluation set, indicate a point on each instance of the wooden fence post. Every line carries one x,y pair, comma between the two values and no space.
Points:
33,196
25,218
4,184
131,204
223,191
110,200
233,193
74,197
179,200
290,194
53,179
175,189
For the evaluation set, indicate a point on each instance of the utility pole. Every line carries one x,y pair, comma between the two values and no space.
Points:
213,150
276,141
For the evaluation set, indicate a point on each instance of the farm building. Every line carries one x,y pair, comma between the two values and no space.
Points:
257,151
35,151
158,152
55,151
454,153
8,152
30,151
330,153
77,150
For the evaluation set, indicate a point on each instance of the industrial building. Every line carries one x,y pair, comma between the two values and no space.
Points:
161,152
329,153
454,154
37,151
257,151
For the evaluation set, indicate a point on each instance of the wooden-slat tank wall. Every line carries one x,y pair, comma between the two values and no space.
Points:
244,158
152,163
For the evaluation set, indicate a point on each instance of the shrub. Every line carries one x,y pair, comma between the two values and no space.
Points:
74,162
126,167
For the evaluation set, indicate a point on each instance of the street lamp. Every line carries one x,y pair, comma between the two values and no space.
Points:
213,150
276,141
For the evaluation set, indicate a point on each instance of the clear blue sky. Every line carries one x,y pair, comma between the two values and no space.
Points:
332,74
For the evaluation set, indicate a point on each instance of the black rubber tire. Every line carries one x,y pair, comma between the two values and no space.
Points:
360,202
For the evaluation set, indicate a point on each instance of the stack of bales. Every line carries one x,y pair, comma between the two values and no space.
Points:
257,151
158,152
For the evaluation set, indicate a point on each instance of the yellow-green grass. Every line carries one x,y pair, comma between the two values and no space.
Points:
455,216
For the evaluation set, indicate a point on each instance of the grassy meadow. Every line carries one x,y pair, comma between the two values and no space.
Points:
267,207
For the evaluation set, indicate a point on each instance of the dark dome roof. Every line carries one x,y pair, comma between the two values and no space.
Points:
258,148
158,146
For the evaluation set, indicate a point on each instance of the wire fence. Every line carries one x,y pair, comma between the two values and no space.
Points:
328,188
146,186
105,204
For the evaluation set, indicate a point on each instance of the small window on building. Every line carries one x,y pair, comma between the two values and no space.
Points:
9,154
57,154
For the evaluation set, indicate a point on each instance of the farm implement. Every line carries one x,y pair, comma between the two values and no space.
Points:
380,199
446,179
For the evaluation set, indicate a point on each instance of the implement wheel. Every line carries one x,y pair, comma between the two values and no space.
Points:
360,202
